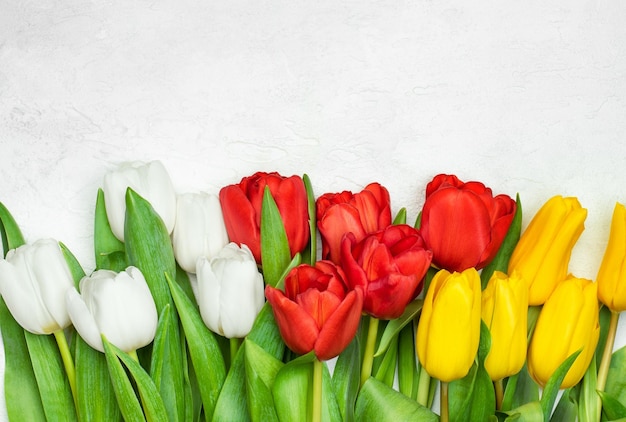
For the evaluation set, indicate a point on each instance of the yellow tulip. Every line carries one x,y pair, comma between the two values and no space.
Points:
505,312
449,327
542,254
568,322
611,276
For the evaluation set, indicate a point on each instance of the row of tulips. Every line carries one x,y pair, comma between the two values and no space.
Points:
218,307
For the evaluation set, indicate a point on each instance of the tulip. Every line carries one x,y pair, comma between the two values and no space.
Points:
317,312
611,277
33,281
360,214
199,230
241,205
116,305
463,223
541,257
449,327
505,312
389,266
151,181
230,291
567,323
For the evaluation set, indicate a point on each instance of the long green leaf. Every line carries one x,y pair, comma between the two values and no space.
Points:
550,391
395,325
151,401
408,375
49,370
109,251
379,403
275,252
261,370
346,379
566,409
311,256
149,248
23,401
205,353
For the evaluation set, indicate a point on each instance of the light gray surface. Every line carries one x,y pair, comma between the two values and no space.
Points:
526,97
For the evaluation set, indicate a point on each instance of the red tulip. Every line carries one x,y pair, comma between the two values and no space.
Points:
316,311
360,214
241,206
389,265
463,223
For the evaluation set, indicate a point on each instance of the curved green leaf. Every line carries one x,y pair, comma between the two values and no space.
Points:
394,326
275,252
550,391
311,256
346,379
109,250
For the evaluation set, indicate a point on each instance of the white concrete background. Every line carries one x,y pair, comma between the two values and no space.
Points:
527,97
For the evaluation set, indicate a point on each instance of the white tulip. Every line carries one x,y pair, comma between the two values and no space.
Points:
230,291
199,230
151,181
33,281
118,305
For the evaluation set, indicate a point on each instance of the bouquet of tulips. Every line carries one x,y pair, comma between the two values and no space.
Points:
223,308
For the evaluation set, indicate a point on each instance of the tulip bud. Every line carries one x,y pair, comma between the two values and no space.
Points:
567,323
360,214
389,266
463,223
611,278
505,312
448,331
151,181
241,204
542,254
199,230
33,281
118,305
230,291
316,312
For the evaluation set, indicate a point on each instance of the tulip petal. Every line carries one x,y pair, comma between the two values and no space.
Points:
209,288
242,223
83,320
238,296
337,221
341,327
298,329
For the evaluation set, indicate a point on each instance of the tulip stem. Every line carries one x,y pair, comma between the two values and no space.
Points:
68,362
499,388
235,343
423,388
444,402
605,363
316,410
368,356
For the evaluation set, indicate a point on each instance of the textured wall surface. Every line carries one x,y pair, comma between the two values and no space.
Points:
528,98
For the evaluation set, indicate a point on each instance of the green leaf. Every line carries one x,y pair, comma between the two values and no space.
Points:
292,391
400,217
261,369
311,257
124,392
379,403
612,408
418,221
472,397
501,261
23,401
588,403
346,379
148,247
386,371
408,375
553,385
520,389
205,353
395,325
9,231
529,412
275,253
49,370
109,251
616,379
151,401
567,408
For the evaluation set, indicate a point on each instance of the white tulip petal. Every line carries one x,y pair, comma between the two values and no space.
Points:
239,299
208,295
83,320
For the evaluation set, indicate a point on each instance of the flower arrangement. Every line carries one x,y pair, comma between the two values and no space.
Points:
223,308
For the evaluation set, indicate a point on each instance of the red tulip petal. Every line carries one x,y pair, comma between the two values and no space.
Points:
336,222
297,328
341,327
319,305
240,219
388,297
